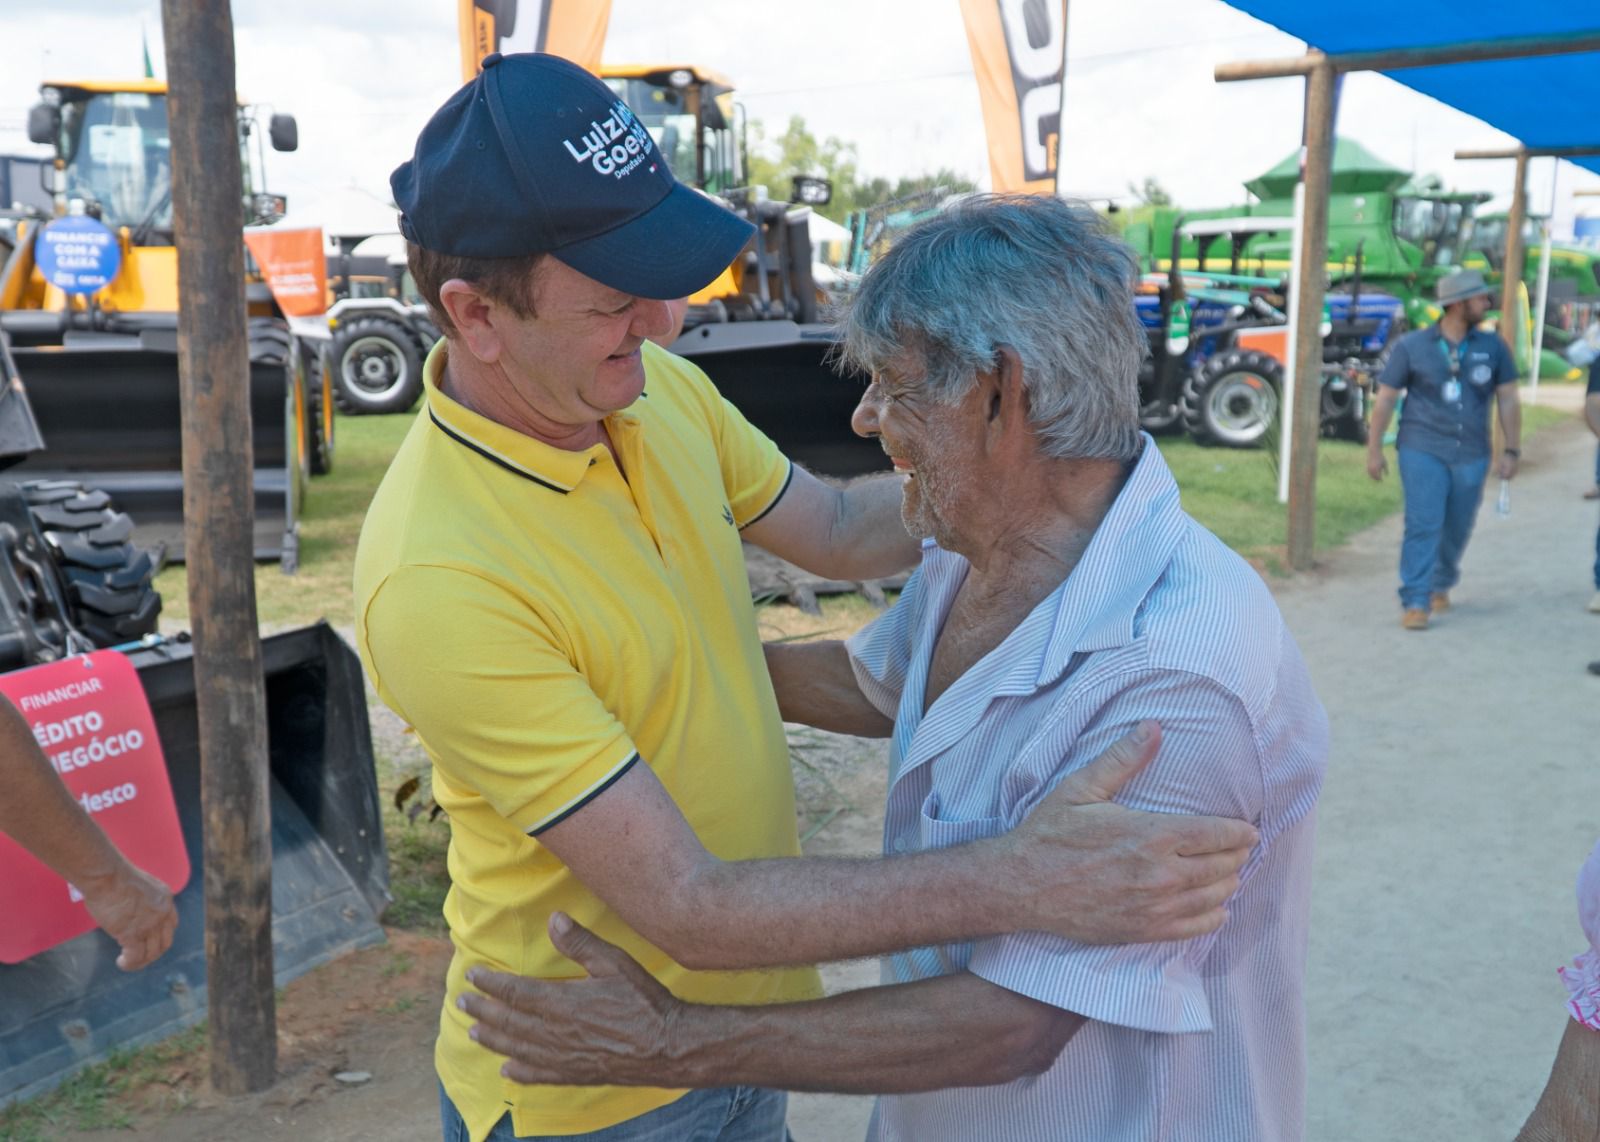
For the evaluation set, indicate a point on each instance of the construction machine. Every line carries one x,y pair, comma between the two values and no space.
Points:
1219,339
71,581
100,356
755,330
381,329
89,396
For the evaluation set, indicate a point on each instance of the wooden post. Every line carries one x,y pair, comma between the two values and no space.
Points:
1309,292
1435,55
218,508
1511,275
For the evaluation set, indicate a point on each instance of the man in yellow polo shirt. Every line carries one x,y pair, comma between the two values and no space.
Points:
551,590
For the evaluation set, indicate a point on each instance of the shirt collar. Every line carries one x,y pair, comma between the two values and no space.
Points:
1130,551
544,464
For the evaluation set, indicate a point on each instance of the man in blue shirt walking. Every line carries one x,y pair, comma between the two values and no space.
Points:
1450,373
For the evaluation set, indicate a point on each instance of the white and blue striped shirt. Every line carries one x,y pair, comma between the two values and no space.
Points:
1200,1040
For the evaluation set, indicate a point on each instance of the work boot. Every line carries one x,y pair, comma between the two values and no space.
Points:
1594,667
1594,604
1414,618
1439,602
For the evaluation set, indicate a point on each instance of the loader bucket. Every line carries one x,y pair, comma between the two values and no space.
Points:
109,410
70,1006
780,376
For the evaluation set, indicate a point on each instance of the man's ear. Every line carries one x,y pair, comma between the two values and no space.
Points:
1008,403
475,318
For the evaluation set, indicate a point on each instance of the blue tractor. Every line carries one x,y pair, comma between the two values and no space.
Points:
1219,341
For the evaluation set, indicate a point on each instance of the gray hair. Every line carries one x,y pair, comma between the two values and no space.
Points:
1044,276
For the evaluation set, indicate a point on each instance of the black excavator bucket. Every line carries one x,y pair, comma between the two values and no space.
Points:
780,375
108,407
69,1007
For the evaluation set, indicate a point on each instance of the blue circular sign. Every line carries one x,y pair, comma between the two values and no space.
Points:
78,254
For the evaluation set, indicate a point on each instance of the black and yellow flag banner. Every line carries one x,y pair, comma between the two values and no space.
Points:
574,29
1019,50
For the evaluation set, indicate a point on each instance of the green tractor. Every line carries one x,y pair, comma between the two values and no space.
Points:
1407,233
1573,286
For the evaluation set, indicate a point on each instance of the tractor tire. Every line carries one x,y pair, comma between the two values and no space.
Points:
105,580
272,343
377,366
269,339
1157,417
1232,400
319,415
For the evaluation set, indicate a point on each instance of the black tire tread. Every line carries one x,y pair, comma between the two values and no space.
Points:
1204,379
107,581
404,338
321,446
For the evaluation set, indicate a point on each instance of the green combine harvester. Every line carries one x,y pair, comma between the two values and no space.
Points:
1406,233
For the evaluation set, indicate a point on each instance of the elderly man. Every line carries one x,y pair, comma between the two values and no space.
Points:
551,590
1063,596
1451,373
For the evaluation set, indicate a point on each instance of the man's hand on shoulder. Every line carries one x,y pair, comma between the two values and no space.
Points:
1093,871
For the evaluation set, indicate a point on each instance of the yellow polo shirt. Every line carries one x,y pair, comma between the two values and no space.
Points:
543,624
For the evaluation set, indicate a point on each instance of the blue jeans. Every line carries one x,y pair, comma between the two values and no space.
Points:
1441,504
725,1114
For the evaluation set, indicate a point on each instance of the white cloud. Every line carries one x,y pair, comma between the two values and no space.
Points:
893,76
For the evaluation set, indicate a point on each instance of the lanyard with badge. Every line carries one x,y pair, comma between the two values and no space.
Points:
1452,387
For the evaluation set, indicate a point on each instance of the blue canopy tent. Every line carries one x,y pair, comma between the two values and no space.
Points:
1530,71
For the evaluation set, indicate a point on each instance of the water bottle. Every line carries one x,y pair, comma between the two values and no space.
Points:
1502,506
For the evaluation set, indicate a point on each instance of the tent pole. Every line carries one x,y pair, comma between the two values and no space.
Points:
1309,291
218,515
1543,295
1511,275
1291,371
1396,59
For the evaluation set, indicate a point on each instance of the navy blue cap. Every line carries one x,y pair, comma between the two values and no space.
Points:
537,156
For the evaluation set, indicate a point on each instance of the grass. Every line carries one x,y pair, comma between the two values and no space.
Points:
1231,491
96,1097
329,526
1234,492
418,875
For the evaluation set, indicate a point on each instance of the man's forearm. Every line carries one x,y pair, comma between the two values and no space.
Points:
817,687
953,1031
1569,1108
1511,418
869,539
1382,412
1078,866
39,813
770,913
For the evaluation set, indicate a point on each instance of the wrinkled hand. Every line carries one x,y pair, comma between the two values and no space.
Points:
1093,871
1377,466
603,1029
136,910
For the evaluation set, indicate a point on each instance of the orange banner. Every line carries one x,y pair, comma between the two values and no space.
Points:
294,266
1019,52
573,29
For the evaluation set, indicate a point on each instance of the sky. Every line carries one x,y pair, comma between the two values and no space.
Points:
892,76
